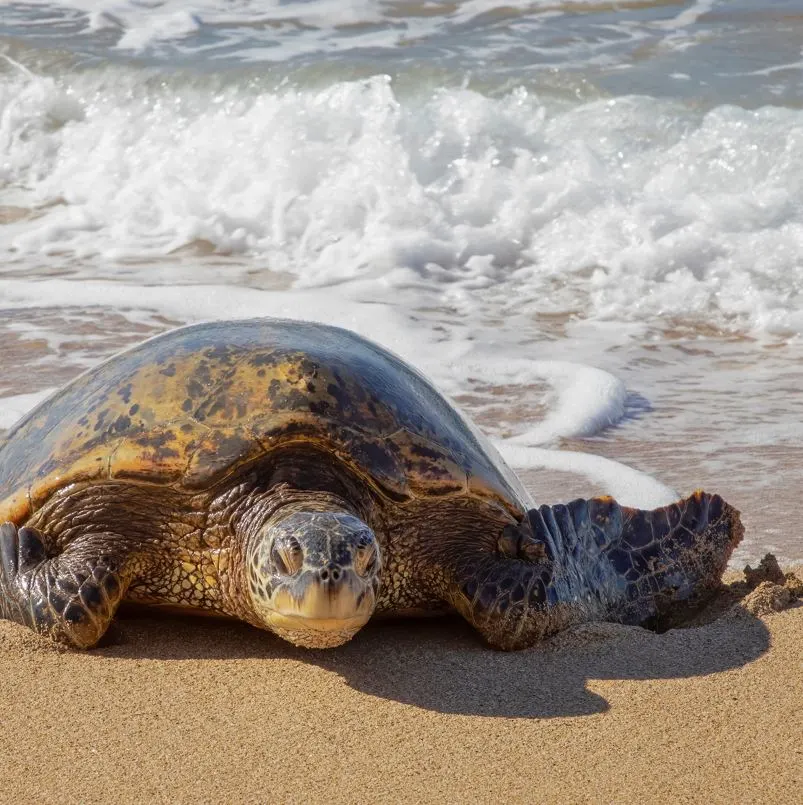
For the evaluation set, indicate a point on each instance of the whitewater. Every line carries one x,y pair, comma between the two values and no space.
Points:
583,220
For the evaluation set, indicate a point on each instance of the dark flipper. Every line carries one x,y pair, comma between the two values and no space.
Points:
71,597
634,565
595,560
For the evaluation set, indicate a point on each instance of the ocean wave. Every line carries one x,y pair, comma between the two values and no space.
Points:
620,209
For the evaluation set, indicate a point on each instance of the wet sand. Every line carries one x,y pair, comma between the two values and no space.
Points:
197,710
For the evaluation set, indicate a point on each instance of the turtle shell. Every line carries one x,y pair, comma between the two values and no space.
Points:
192,406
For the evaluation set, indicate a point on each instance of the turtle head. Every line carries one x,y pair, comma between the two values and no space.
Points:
314,577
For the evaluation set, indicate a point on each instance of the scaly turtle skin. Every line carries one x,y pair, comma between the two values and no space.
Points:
302,478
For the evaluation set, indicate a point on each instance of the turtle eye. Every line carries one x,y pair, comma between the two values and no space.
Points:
287,556
365,558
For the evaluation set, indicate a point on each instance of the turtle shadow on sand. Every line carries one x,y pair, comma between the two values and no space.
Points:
439,665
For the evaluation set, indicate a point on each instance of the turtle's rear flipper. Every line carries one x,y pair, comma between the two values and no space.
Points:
631,565
71,597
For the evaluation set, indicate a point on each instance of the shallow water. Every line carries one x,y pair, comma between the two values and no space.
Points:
583,220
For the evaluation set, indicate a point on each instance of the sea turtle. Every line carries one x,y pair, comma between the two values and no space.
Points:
302,478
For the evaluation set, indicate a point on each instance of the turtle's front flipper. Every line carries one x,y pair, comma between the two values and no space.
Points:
71,597
593,560
631,565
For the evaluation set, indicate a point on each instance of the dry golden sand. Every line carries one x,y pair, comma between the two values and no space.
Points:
196,710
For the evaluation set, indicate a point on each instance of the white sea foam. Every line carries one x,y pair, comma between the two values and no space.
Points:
581,401
623,210
15,407
630,487
271,29
688,16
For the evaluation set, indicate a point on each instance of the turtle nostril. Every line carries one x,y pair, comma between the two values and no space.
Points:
330,573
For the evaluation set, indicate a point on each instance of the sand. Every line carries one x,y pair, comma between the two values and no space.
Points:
198,710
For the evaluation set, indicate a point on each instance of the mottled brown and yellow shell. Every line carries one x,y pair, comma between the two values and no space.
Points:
194,405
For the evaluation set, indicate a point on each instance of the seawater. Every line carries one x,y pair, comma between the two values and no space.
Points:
584,220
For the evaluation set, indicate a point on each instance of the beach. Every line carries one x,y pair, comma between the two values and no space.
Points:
196,710
581,220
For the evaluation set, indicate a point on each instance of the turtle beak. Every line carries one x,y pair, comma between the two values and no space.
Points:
323,608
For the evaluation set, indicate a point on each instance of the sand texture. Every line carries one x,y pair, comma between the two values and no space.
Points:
197,710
